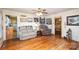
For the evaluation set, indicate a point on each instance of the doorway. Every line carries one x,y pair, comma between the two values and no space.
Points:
58,26
11,27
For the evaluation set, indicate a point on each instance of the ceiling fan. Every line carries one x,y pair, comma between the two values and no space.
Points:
40,11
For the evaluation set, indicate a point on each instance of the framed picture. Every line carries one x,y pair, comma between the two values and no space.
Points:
42,20
23,19
73,20
29,20
36,20
48,21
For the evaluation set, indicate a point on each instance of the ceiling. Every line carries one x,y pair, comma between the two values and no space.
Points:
30,10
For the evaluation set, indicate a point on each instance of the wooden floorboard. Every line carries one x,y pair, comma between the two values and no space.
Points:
39,43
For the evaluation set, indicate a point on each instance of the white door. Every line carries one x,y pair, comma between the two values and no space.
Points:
1,32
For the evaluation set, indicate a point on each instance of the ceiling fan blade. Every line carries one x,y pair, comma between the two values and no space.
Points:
40,10
44,9
44,12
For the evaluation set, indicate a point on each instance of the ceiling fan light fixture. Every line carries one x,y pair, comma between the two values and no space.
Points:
39,14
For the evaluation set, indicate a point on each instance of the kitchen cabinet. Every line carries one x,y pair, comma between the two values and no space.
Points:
9,33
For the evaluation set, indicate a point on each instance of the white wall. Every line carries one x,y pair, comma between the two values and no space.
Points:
18,15
1,40
0,25
13,13
75,29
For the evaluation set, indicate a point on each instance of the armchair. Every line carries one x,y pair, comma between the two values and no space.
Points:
45,30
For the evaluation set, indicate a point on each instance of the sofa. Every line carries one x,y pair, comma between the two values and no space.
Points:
27,32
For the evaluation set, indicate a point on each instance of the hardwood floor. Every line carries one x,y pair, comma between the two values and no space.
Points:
39,43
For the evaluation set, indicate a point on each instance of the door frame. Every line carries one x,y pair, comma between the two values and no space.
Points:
16,22
1,41
61,24
4,22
